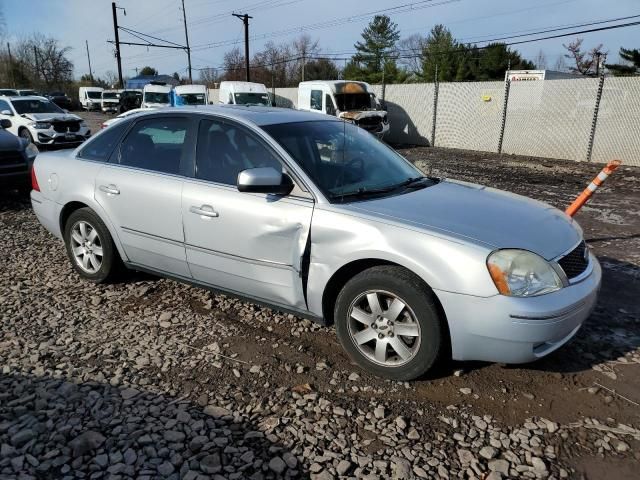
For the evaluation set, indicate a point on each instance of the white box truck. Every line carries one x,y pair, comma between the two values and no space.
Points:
191,95
243,93
352,101
110,100
90,97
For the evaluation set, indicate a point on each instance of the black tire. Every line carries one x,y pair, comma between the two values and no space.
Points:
419,299
26,134
111,264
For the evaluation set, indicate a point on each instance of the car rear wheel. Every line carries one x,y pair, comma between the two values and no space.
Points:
24,133
387,321
90,246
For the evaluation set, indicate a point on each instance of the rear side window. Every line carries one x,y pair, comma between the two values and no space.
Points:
156,144
100,147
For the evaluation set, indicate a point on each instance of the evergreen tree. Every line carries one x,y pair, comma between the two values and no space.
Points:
375,52
631,56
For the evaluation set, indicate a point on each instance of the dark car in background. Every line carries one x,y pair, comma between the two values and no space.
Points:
16,158
60,99
129,100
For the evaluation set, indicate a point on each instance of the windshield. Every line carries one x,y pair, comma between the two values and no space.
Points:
341,158
156,97
27,93
110,95
193,98
248,98
94,95
354,101
36,106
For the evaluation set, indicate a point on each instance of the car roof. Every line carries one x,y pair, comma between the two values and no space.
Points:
254,114
27,97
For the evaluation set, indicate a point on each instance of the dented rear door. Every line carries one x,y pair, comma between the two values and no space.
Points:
248,243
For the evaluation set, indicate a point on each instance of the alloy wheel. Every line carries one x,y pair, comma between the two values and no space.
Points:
384,328
86,246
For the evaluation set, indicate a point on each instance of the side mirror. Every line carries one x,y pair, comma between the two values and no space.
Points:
6,112
264,180
5,123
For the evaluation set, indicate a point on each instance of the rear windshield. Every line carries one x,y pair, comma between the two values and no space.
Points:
252,98
35,106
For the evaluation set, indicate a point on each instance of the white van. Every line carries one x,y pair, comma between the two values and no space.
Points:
192,94
110,100
353,101
244,93
156,95
90,97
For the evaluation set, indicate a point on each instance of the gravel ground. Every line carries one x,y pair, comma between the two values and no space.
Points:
149,378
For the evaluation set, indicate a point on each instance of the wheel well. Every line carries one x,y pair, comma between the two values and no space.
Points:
67,210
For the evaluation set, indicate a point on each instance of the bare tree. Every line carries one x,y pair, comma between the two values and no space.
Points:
111,79
233,65
560,65
208,77
410,53
304,47
43,62
586,63
541,61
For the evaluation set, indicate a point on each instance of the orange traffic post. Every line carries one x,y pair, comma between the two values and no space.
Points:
592,187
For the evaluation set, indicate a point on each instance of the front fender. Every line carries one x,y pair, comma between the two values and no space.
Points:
338,239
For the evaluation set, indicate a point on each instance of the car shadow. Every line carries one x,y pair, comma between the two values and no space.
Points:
14,199
50,426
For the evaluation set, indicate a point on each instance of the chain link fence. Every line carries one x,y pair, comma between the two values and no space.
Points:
581,119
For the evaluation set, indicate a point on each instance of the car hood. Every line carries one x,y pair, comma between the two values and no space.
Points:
9,142
483,215
51,117
359,114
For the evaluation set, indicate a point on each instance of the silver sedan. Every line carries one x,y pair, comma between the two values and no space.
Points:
317,217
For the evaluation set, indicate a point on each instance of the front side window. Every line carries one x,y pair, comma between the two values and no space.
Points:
36,106
331,110
316,99
156,97
155,144
99,148
225,149
343,160
4,106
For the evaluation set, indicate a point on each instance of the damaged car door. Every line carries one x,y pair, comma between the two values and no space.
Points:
251,244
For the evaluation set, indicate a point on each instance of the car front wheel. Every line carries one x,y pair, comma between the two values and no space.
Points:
24,133
387,320
90,246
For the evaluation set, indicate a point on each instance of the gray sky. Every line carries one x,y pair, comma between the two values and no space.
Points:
74,21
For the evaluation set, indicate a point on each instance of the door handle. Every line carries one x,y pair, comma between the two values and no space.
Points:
204,211
110,189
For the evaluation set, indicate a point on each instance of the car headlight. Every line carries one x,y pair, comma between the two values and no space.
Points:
32,151
41,125
520,273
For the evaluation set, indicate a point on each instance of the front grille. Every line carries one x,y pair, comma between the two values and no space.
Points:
11,159
575,262
63,127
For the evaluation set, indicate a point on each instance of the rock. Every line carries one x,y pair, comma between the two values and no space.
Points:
401,468
165,316
22,437
211,463
458,373
130,456
530,396
413,434
465,391
494,476
101,460
290,459
254,369
379,412
165,469
128,393
538,464
277,465
500,466
216,412
86,442
401,423
343,467
465,456
7,451
173,436
488,452
354,377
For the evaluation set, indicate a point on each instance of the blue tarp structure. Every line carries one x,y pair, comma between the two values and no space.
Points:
138,83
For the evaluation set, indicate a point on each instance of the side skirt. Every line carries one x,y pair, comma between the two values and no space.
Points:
214,288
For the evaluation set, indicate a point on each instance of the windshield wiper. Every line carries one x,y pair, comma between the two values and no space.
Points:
413,182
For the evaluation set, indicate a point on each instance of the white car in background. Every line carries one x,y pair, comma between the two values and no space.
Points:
126,114
42,122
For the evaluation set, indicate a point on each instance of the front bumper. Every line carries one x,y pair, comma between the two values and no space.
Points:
518,330
51,137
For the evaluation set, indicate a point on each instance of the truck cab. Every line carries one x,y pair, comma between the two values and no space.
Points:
156,95
191,95
244,93
352,101
90,98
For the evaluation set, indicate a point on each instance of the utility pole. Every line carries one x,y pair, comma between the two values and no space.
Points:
303,62
117,37
245,19
89,59
13,80
35,56
186,35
